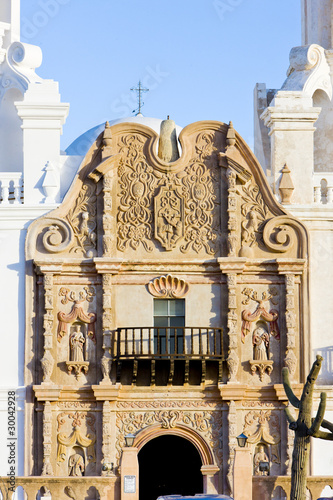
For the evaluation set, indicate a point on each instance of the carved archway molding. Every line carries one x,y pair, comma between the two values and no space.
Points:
154,431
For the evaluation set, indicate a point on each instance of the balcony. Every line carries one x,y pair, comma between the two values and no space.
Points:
167,346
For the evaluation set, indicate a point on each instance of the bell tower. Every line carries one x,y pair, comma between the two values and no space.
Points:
317,23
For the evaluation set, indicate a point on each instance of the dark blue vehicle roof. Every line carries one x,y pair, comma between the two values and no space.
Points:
199,496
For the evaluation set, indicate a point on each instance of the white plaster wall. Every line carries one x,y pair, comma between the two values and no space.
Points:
11,134
12,307
323,145
322,455
321,300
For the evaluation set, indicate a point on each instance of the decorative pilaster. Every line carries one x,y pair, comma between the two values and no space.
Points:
290,360
233,358
107,215
47,439
231,267
232,215
106,327
232,441
47,361
106,446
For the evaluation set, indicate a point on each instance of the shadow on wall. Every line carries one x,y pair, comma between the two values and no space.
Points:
326,372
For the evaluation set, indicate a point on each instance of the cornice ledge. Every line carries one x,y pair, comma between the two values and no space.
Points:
295,266
232,264
280,392
106,391
106,265
47,392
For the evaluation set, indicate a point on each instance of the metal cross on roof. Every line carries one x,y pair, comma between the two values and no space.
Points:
139,91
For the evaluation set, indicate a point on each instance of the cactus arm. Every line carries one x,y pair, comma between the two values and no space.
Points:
323,435
289,416
316,423
288,390
327,425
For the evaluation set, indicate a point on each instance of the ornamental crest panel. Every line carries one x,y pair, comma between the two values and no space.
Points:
169,216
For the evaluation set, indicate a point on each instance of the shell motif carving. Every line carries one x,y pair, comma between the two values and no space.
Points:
168,286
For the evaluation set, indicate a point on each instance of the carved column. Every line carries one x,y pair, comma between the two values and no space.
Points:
231,267
106,327
232,441
107,215
290,360
47,361
106,446
233,358
232,213
47,439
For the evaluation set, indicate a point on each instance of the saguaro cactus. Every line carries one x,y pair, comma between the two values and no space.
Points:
305,427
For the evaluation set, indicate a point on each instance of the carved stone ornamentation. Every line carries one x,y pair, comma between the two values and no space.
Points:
263,427
107,214
233,358
254,212
47,439
169,216
107,325
77,312
232,441
249,317
47,363
202,198
168,286
207,423
136,188
82,218
106,446
67,440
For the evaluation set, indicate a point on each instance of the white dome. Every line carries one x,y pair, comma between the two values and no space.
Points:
82,144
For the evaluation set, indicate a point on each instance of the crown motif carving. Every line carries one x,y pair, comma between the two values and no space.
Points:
168,286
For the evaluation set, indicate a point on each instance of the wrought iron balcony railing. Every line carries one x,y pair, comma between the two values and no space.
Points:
168,343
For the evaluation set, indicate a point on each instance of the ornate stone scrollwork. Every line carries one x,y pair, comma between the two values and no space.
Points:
168,286
68,441
136,184
47,439
260,312
282,233
58,237
254,212
82,218
169,216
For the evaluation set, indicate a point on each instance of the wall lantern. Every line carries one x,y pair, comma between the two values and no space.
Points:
129,440
264,467
241,440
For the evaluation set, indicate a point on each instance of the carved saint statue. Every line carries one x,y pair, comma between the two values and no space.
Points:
260,456
260,341
76,465
77,341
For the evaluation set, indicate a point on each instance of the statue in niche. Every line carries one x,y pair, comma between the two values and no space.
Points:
77,342
260,341
260,456
76,465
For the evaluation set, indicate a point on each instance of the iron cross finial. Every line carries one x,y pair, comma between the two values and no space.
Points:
139,91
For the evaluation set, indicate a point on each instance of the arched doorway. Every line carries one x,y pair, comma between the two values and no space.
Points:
169,465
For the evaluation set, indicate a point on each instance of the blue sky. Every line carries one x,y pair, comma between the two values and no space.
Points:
200,58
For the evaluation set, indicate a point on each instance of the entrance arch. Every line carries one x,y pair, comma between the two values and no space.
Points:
168,465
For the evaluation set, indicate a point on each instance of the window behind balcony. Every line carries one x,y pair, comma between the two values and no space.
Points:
168,315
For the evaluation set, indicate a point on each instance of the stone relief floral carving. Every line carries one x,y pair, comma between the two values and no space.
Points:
168,286
249,317
66,441
202,198
186,205
82,218
206,423
136,188
254,212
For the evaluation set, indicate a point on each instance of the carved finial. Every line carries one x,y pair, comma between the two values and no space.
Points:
168,143
107,141
286,186
231,135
